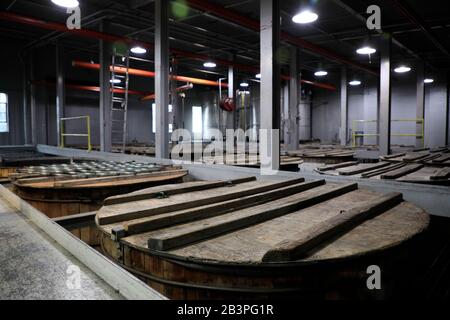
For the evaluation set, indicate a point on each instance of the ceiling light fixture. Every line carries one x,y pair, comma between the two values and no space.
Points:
210,64
244,84
402,69
355,83
115,81
66,3
258,76
138,50
366,50
428,80
321,73
304,17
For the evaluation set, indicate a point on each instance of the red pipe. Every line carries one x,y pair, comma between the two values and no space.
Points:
89,88
148,74
180,89
8,16
255,26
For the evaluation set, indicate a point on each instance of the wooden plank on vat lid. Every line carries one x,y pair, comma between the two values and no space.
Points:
350,171
443,158
197,231
237,191
171,190
216,209
90,181
377,172
415,157
338,166
402,171
442,174
333,227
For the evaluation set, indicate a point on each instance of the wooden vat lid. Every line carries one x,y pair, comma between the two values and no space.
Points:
249,222
101,182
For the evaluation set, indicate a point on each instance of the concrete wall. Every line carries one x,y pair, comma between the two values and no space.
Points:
363,102
11,83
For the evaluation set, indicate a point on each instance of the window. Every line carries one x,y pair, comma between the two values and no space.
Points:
4,126
197,122
154,118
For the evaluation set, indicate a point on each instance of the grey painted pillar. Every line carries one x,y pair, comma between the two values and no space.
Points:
230,124
33,119
344,107
60,92
420,113
105,92
286,115
25,94
174,95
447,112
385,96
162,78
270,85
294,100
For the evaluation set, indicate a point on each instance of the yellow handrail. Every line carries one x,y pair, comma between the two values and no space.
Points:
418,136
88,134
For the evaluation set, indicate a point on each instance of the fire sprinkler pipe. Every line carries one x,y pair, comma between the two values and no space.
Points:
151,74
201,5
152,96
148,74
89,88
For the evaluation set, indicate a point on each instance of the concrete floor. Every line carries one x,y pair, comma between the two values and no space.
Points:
32,266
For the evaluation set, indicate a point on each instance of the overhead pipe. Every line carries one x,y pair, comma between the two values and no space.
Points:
151,74
8,16
152,96
90,88
254,25
147,74
86,33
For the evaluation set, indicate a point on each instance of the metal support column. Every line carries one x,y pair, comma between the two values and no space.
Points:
344,107
447,112
420,113
105,92
270,85
162,78
385,95
286,126
230,116
60,91
33,115
294,100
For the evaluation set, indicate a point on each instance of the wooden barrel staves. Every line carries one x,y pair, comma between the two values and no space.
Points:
259,239
60,197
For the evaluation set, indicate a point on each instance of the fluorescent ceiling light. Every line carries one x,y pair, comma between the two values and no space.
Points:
355,83
115,81
66,3
210,64
428,80
258,76
320,73
138,50
244,85
402,69
305,17
366,50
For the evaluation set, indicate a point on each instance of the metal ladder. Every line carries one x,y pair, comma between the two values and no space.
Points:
119,101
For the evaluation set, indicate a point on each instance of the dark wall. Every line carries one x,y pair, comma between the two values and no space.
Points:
11,83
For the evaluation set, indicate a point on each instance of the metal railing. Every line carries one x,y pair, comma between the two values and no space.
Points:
88,134
417,121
